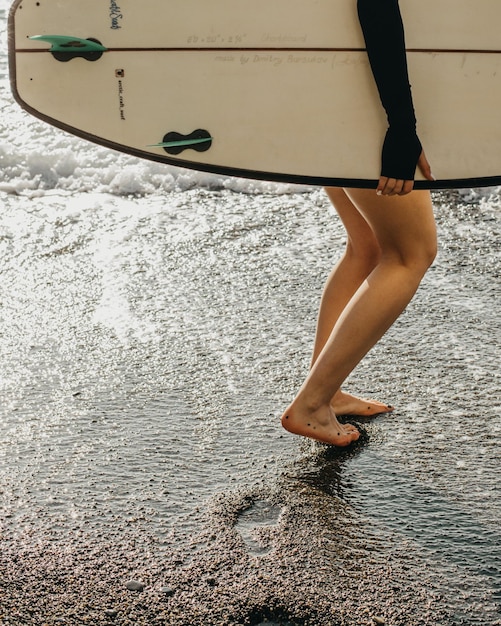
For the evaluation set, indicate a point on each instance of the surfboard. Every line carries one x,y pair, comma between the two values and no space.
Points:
278,90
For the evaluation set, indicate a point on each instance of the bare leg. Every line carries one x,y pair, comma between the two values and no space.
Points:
360,258
404,228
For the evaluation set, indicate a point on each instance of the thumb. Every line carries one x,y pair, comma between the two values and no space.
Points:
425,167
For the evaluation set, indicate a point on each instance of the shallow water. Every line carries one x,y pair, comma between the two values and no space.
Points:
155,322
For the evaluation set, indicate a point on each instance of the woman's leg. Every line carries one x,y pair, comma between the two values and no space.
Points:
404,228
359,259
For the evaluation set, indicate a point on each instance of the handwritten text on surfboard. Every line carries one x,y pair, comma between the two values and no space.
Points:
272,59
115,15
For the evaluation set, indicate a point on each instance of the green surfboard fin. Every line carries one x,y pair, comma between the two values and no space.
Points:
64,43
174,143
182,143
65,48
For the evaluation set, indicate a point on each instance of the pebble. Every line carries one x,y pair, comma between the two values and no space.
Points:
111,613
135,585
379,620
168,592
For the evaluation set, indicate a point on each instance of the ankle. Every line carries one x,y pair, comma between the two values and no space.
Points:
308,404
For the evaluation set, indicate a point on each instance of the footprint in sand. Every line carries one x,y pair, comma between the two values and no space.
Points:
254,524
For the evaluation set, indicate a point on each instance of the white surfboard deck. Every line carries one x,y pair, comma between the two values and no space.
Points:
281,89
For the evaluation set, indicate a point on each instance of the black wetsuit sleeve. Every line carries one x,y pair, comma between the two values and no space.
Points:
383,31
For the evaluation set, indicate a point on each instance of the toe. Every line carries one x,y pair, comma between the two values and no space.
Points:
350,428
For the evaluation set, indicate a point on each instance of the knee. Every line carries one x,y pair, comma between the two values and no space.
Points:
429,253
418,258
425,252
366,255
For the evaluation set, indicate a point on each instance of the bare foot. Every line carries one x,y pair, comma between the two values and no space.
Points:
346,404
321,425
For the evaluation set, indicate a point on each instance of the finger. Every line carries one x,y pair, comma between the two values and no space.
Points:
381,185
394,187
407,187
385,186
425,167
397,188
389,187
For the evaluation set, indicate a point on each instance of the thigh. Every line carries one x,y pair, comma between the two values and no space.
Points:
402,224
359,231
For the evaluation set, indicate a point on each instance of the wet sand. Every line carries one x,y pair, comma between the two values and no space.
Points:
294,555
